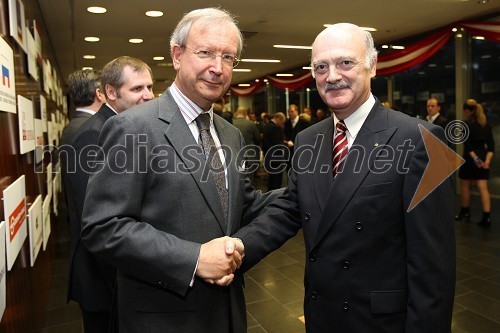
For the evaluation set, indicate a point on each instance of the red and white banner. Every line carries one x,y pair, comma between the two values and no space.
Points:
291,83
488,30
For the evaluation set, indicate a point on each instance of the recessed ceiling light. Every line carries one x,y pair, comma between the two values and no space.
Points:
85,67
135,40
306,67
244,85
478,37
284,74
260,60
308,89
257,80
154,13
159,58
91,39
398,47
241,70
369,29
266,80
454,30
483,2
385,46
165,64
89,56
299,47
97,10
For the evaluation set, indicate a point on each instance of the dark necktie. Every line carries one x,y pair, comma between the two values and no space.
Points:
339,148
212,156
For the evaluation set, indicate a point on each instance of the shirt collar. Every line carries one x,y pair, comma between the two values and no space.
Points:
109,106
85,110
356,120
189,109
434,117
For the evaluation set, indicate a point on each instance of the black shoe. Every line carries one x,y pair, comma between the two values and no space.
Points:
461,216
484,223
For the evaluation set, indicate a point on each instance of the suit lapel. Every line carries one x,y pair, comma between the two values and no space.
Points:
323,179
373,133
180,137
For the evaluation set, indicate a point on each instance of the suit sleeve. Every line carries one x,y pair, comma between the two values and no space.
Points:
430,238
112,225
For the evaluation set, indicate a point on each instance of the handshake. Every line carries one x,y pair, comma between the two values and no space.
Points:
218,260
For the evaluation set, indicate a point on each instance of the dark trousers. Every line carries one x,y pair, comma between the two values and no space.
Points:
96,322
274,181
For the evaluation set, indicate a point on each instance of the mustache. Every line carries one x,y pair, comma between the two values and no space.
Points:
336,85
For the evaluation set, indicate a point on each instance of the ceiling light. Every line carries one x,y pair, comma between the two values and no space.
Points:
165,64
91,39
307,67
159,58
257,80
398,47
454,29
300,47
89,56
241,70
459,36
266,80
154,13
244,85
369,29
308,89
482,2
89,68
284,74
478,37
385,46
135,40
97,10
260,60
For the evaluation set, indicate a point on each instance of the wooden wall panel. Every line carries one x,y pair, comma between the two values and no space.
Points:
27,287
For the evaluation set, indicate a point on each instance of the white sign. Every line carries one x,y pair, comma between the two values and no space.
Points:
26,124
38,42
49,181
8,84
46,221
17,22
3,271
35,228
43,112
32,67
16,231
39,141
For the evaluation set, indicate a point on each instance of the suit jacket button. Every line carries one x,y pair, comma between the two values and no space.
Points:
345,306
313,257
346,264
314,295
359,226
307,216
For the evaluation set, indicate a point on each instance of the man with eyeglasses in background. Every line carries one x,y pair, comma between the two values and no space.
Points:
161,213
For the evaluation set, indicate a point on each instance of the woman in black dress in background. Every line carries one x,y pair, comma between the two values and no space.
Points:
478,151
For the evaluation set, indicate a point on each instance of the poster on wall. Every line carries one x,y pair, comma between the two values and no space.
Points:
39,141
43,112
47,76
49,181
26,124
16,231
32,67
3,271
38,43
46,221
17,22
8,84
35,228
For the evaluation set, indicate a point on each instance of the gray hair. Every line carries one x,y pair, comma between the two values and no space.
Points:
83,85
371,51
112,73
206,16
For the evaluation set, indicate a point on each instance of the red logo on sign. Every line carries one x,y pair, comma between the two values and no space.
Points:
16,219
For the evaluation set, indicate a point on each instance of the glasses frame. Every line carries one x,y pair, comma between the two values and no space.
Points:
212,55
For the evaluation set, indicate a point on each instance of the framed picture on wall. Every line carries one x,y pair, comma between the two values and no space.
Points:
18,23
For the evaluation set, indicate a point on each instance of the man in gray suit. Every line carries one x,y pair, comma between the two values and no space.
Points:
126,81
372,263
251,134
166,195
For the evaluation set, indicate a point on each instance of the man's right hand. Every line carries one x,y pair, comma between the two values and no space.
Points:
218,260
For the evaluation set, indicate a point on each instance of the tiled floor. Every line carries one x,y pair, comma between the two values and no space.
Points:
274,288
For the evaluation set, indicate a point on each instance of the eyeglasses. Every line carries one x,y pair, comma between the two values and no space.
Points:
227,58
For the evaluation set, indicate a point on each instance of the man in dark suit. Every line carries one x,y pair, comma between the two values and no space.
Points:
251,135
434,115
126,82
372,265
276,153
86,94
166,195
